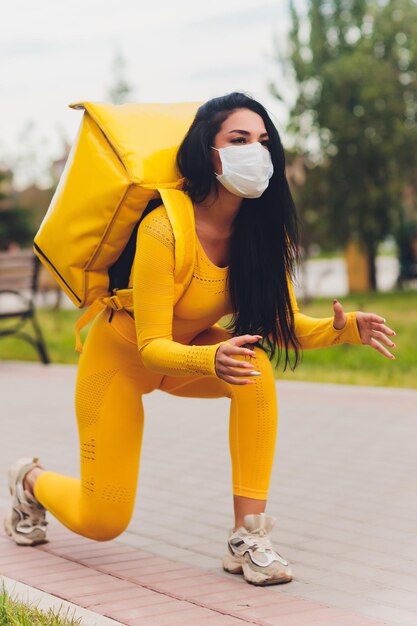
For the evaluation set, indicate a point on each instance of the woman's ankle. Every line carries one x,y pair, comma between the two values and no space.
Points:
246,506
30,479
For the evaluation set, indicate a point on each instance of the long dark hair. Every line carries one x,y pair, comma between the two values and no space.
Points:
264,244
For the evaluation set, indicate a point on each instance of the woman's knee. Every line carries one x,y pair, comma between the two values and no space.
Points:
264,387
105,525
262,358
259,360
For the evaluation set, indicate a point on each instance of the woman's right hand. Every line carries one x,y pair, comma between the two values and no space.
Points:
233,370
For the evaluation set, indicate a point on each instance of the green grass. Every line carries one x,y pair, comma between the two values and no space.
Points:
359,365
16,613
58,331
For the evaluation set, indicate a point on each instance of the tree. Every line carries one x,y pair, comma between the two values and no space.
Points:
16,227
355,116
120,89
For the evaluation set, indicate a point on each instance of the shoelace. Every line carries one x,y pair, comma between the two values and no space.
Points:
35,514
262,541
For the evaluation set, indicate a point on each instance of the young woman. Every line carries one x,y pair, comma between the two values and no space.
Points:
233,166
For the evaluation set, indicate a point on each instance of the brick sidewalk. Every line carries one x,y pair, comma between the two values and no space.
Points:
138,588
342,491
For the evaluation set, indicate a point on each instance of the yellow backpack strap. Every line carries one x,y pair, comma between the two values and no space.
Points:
181,215
85,319
123,298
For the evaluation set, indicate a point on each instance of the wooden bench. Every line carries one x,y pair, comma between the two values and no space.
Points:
19,271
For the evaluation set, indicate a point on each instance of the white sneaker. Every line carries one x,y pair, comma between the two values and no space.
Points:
250,553
25,522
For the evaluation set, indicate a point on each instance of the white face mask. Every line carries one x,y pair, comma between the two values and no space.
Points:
246,169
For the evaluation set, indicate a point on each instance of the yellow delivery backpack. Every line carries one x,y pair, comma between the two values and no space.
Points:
121,165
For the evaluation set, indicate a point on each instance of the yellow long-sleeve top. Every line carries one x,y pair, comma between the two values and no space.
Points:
164,330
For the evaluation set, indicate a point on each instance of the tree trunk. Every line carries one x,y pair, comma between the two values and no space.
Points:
371,248
357,266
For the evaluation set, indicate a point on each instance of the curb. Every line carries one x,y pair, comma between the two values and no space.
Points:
44,601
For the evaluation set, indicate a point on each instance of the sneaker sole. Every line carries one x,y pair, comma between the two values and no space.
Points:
238,565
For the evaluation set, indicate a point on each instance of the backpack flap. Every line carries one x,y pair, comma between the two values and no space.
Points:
145,137
121,154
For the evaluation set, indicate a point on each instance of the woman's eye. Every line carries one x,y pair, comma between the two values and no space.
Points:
239,140
266,143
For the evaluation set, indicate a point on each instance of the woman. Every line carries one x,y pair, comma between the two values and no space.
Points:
233,164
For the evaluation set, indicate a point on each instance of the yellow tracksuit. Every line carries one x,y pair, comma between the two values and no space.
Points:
171,348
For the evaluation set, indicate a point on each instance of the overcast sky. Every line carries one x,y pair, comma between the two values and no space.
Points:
53,53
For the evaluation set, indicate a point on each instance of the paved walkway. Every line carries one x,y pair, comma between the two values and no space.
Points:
343,492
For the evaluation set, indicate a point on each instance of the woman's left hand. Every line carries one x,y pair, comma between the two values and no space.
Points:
372,329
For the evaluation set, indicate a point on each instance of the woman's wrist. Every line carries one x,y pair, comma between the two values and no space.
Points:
350,331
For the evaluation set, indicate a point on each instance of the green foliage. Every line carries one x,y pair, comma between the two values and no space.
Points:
120,90
355,117
15,613
16,226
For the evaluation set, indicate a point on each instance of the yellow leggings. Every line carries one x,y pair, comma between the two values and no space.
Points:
111,380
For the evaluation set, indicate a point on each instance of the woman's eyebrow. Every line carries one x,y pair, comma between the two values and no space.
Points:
245,132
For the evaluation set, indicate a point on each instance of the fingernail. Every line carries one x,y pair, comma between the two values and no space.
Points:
250,382
256,373
335,300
